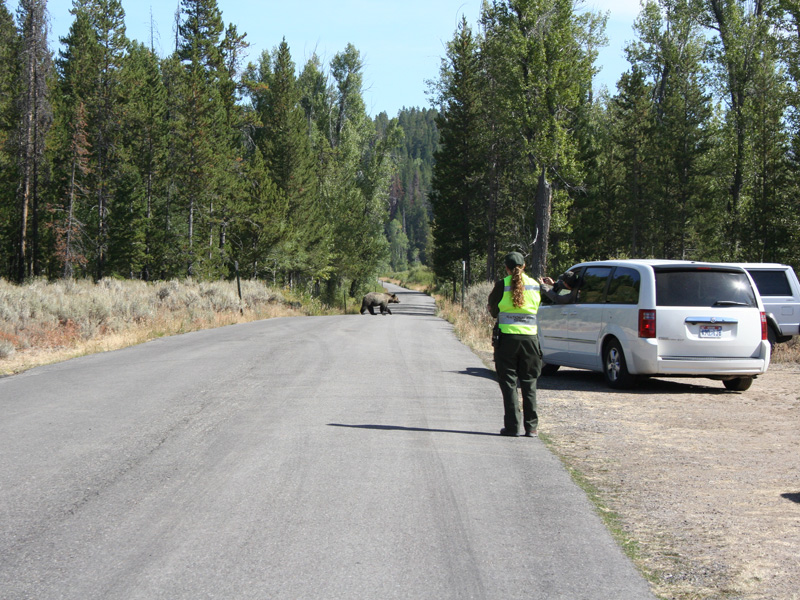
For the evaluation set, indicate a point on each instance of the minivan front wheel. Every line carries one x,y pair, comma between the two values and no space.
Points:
738,384
614,367
548,369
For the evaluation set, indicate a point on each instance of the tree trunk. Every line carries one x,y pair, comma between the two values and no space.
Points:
28,163
68,256
22,266
491,226
191,238
542,210
35,258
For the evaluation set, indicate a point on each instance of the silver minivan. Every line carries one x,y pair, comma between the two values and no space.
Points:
780,293
660,318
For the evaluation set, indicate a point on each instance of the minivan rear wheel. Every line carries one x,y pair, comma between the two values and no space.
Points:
614,367
772,337
738,384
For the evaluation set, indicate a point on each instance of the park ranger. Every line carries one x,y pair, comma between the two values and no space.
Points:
514,302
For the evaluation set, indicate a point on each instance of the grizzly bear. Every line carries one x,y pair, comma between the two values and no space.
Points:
374,299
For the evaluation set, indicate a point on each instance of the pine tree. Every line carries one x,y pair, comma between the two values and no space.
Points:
789,44
458,185
354,180
239,124
90,65
772,211
9,83
316,98
631,214
411,182
75,223
203,150
537,58
740,28
670,50
69,230
261,227
34,121
284,141
174,216
346,68
284,137
108,21
398,246
597,218
137,248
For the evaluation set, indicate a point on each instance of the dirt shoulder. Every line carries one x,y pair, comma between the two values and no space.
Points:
705,482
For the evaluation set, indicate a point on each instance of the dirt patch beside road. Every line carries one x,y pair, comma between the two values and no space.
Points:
706,482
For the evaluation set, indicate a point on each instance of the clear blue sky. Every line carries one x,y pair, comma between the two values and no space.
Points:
401,41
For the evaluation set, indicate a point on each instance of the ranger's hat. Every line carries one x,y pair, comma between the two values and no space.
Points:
514,259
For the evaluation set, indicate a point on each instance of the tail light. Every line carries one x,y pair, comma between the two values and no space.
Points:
764,326
647,323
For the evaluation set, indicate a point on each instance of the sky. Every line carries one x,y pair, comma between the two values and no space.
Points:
401,42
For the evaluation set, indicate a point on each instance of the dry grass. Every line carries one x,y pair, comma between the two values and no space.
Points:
788,352
472,322
44,322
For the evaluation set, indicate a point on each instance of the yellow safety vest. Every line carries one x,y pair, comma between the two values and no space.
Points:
519,320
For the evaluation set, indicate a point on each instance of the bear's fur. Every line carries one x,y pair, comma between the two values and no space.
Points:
374,299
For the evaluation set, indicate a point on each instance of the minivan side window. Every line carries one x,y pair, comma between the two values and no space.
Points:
771,283
624,286
593,285
703,287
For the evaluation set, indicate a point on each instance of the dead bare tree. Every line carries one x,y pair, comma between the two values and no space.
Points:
35,120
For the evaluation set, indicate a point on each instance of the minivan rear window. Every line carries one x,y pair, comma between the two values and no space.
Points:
624,286
703,287
771,283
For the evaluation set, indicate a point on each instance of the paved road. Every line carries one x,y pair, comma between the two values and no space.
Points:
352,457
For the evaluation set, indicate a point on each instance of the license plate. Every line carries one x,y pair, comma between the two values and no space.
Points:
710,331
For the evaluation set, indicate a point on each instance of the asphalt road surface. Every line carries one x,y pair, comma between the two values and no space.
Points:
352,457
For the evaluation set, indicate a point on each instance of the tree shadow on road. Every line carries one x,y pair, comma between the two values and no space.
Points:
414,310
413,303
399,428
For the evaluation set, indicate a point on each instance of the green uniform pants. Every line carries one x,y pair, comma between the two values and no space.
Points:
518,357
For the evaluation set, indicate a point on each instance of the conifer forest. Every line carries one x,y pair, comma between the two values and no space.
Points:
118,162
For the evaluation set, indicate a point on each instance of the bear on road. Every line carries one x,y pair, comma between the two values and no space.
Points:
374,299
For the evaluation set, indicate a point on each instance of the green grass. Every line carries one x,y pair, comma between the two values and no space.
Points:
416,278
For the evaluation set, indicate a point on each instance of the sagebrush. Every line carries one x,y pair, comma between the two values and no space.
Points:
42,315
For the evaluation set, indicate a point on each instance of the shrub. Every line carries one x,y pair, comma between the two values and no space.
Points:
219,297
475,304
6,349
167,289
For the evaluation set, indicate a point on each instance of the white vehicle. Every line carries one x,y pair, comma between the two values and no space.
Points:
780,293
659,318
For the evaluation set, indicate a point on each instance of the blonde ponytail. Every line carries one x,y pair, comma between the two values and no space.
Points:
517,286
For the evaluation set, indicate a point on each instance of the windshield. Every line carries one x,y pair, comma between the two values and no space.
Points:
703,287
